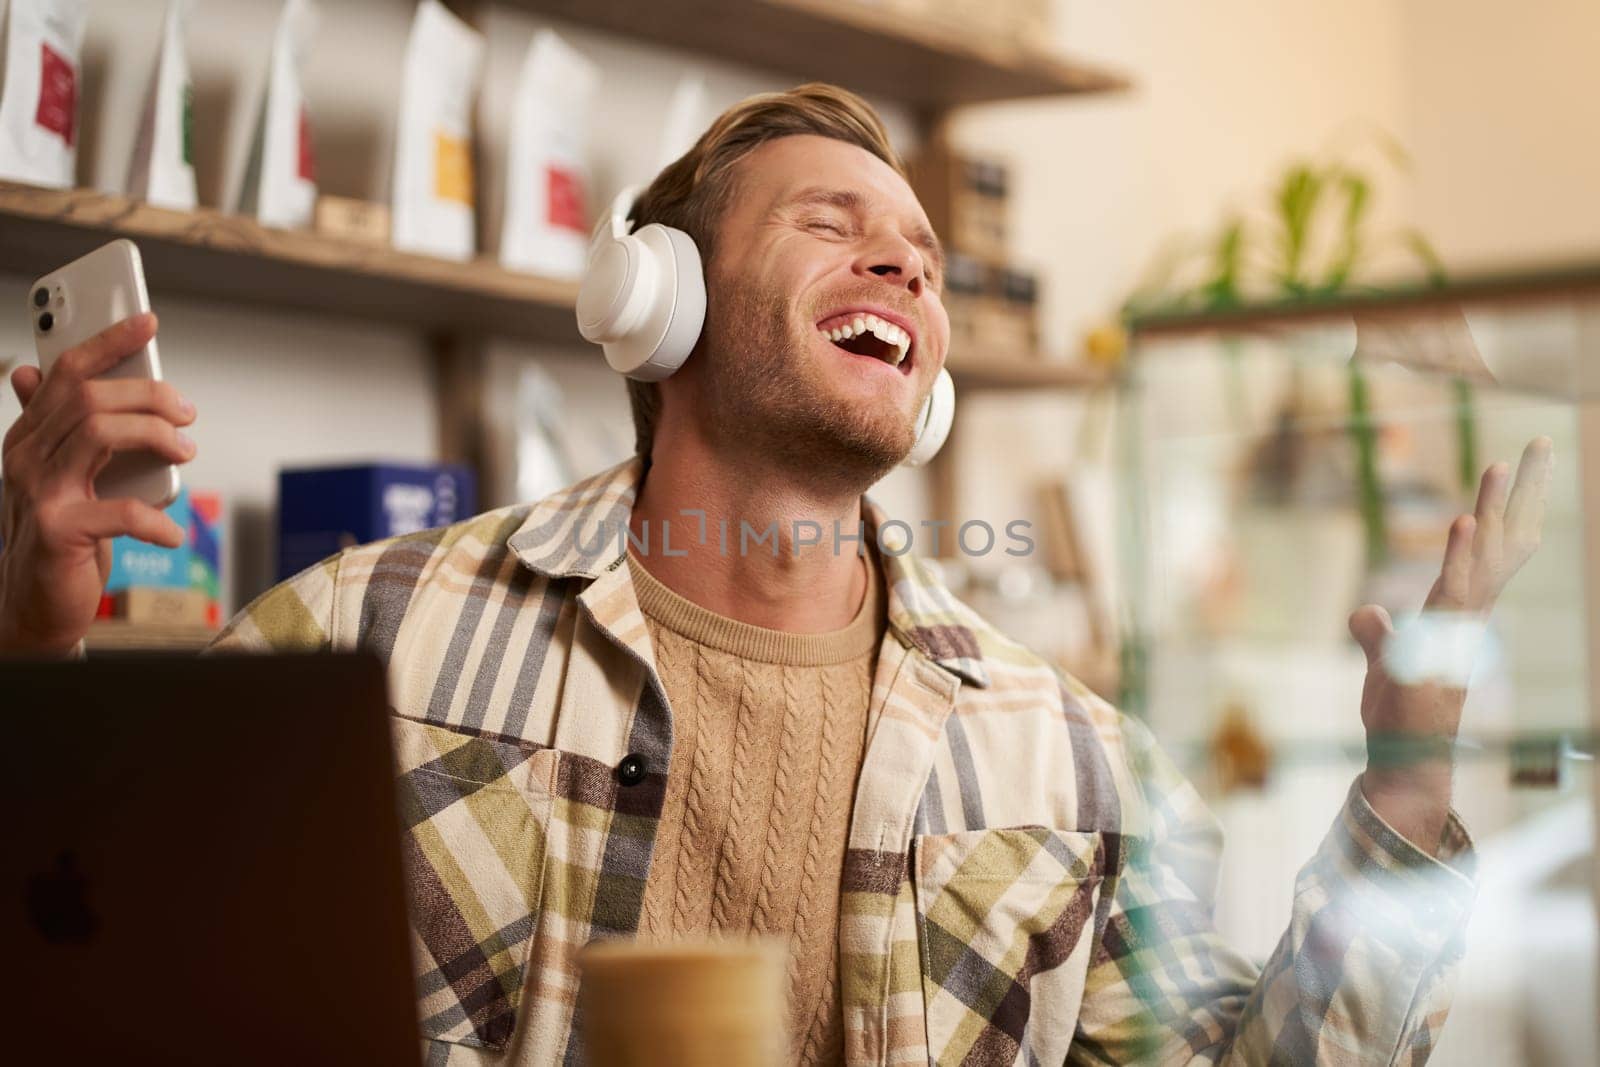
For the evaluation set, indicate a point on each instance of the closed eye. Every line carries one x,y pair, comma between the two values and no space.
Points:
826,226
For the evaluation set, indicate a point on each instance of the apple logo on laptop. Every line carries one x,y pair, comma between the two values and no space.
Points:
58,903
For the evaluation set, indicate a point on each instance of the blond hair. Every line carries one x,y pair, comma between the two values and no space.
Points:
693,192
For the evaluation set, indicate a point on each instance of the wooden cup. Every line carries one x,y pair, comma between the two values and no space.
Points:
683,1005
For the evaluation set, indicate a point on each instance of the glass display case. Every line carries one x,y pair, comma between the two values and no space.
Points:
1288,463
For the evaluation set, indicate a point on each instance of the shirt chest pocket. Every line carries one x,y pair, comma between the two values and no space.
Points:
1004,924
475,812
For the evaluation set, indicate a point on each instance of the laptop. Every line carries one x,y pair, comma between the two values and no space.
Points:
201,863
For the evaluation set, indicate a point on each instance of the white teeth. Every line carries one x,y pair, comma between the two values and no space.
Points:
887,332
890,334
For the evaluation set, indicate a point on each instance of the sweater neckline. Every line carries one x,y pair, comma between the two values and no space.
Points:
689,620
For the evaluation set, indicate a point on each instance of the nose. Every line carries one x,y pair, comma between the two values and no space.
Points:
895,260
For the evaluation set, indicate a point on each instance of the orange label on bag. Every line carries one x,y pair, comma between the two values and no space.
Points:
452,168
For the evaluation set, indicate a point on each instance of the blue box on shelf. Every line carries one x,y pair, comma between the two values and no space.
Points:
136,564
324,510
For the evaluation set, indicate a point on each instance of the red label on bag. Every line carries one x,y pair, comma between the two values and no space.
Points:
308,157
58,93
565,209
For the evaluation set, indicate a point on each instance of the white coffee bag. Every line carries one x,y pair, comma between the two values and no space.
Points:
280,180
433,193
40,90
687,117
546,226
162,168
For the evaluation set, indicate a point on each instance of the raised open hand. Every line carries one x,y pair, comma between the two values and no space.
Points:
1417,676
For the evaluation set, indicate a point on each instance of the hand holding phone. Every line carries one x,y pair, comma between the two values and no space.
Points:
95,399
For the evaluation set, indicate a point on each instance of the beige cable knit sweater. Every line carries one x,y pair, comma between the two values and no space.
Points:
768,734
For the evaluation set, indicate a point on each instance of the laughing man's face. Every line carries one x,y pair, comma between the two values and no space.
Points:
825,327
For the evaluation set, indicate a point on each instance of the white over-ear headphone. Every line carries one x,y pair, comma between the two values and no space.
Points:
643,300
643,297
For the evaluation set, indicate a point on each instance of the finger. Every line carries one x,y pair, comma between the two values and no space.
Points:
1490,513
103,397
126,517
1371,626
90,446
25,382
107,348
1525,510
136,395
1455,576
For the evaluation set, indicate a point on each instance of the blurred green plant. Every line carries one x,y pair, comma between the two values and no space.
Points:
1369,490
1312,238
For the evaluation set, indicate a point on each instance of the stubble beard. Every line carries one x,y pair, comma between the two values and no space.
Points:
763,398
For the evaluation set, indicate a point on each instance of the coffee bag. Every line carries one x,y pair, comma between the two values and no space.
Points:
162,168
40,90
546,227
434,194
686,118
280,180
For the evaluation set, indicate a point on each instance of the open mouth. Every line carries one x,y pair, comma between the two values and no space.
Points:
863,334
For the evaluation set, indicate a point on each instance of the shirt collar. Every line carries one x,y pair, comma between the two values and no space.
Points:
581,531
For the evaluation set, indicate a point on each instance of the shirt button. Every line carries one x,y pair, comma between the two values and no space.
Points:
631,770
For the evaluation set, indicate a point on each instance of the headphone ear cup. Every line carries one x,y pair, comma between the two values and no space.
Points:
643,299
934,422
686,284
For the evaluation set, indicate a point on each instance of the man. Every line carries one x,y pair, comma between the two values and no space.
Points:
970,857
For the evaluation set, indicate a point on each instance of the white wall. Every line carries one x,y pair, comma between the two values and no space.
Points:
1226,94
1503,105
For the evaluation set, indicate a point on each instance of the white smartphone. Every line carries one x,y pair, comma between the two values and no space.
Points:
70,305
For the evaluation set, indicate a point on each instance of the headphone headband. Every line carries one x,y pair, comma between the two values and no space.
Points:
616,221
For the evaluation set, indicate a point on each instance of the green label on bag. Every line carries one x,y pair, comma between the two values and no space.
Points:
188,125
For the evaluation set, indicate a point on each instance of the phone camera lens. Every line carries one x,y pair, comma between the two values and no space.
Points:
41,297
46,321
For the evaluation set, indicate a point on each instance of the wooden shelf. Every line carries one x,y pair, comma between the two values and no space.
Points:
1572,281
870,47
207,253
115,635
1021,372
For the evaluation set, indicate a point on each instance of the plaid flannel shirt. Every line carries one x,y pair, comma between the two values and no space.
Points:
1028,878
